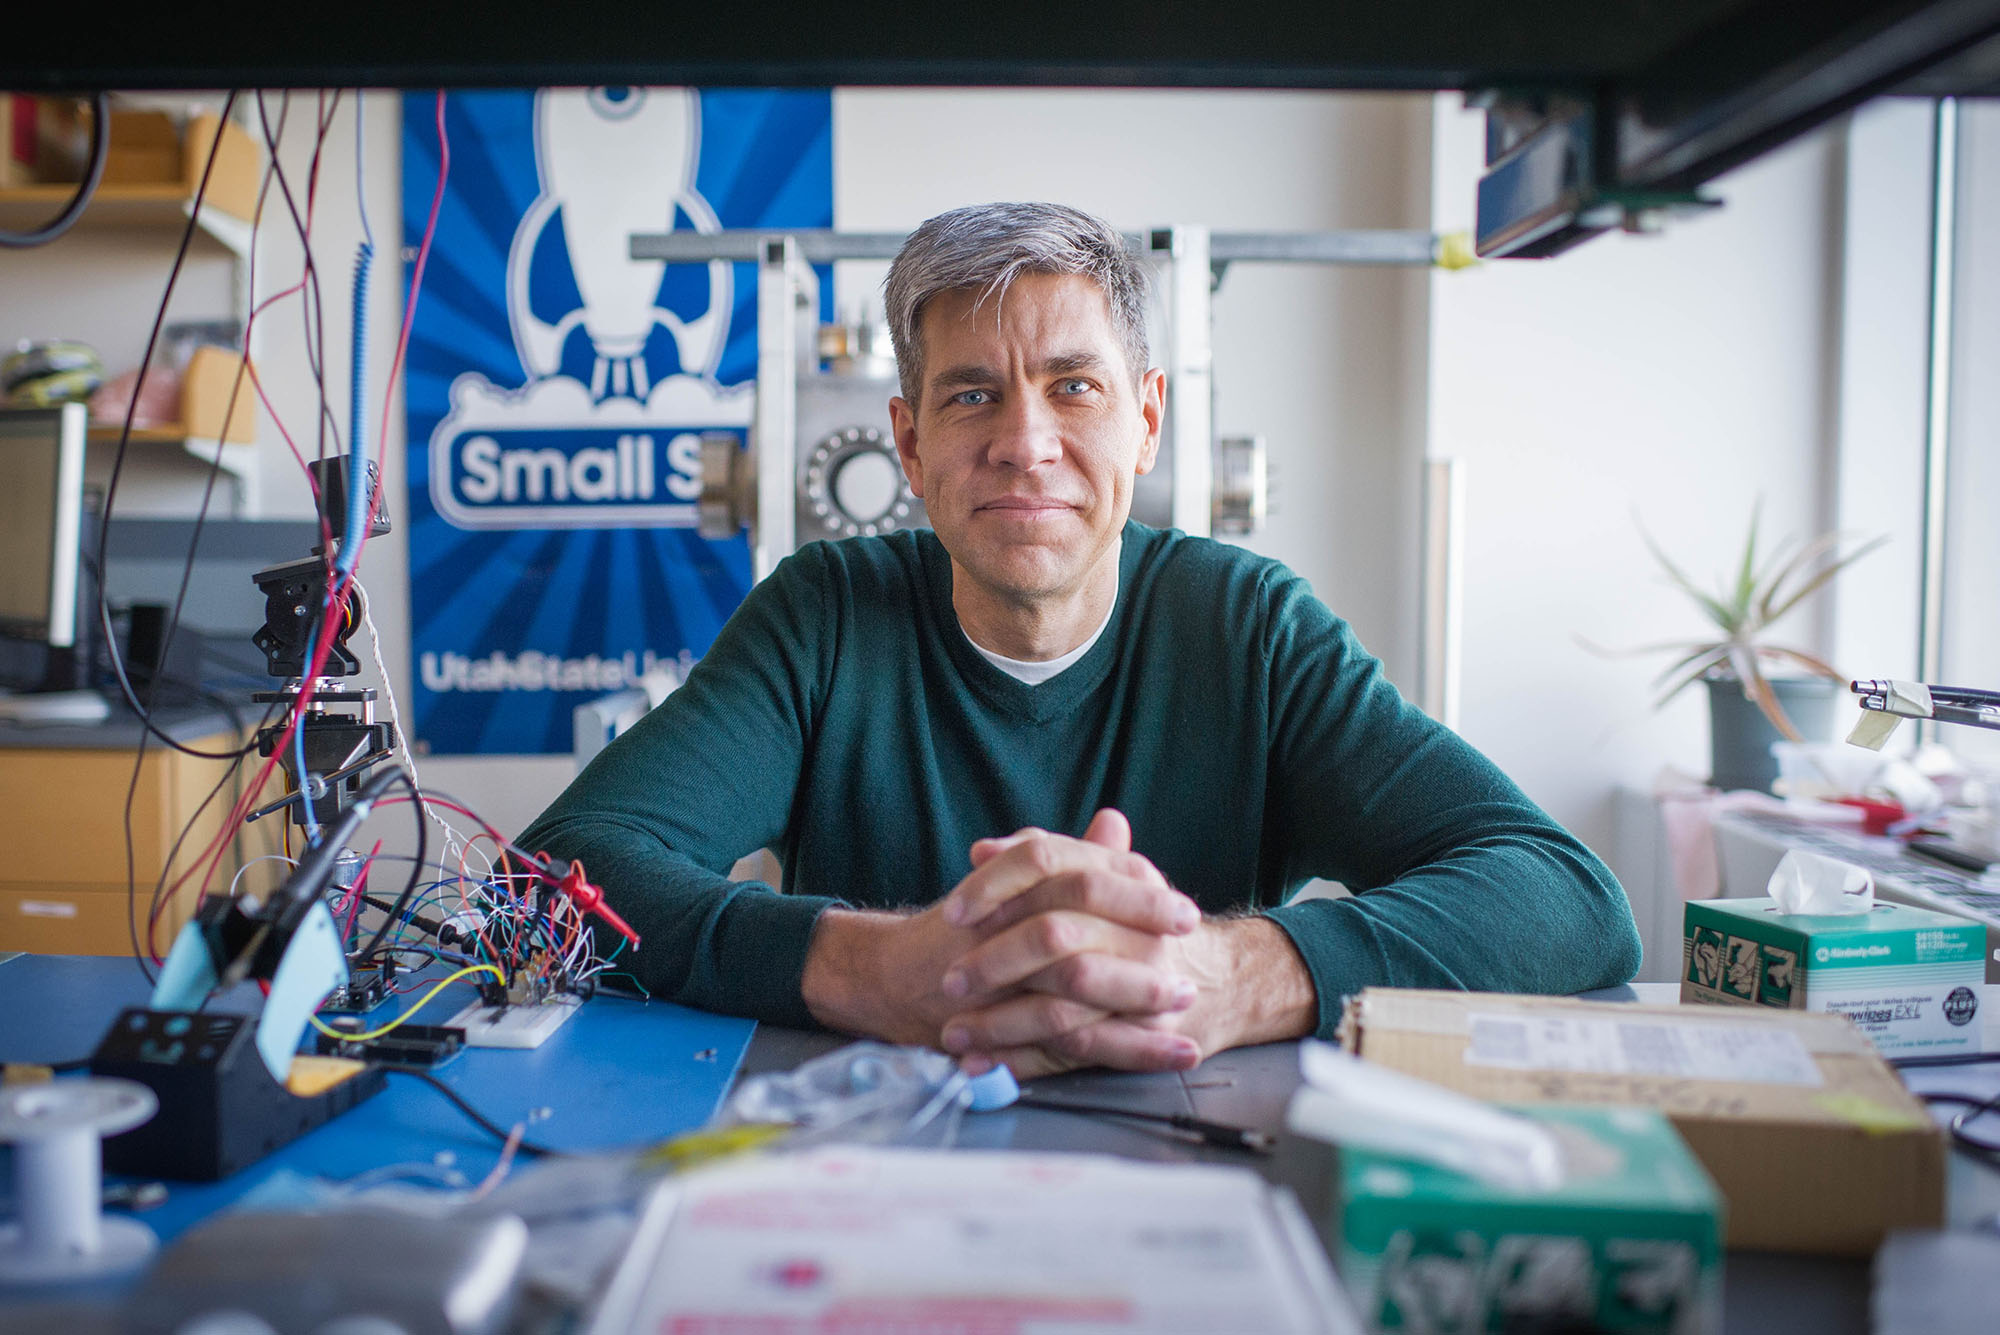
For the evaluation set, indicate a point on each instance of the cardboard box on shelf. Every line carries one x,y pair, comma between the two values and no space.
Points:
17,140
1906,977
205,390
1816,1144
1631,1241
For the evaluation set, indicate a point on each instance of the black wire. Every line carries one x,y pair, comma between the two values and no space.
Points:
1213,1133
1975,1107
312,307
479,1119
416,866
109,632
1957,1059
100,151
117,661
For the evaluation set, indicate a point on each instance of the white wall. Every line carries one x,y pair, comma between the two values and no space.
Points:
1670,380
1972,585
1885,294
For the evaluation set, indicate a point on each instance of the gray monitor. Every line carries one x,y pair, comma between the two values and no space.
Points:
41,521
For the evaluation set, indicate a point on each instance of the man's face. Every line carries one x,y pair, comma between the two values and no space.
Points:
1027,434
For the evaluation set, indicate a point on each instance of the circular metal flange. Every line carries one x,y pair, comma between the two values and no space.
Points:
824,465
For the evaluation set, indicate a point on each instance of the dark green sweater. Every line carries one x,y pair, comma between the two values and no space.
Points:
843,719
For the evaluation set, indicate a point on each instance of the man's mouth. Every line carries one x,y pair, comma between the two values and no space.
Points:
1027,506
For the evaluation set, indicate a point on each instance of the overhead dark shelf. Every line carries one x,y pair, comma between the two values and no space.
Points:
1633,98
1357,44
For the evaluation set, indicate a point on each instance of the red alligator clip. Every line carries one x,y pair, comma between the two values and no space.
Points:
587,896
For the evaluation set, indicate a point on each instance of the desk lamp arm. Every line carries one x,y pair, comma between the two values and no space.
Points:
1885,704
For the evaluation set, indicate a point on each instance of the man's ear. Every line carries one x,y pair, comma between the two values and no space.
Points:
903,422
1153,408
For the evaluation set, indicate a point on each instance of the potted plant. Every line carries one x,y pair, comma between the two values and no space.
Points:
1750,706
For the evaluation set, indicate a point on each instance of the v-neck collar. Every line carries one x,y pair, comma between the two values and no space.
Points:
1060,694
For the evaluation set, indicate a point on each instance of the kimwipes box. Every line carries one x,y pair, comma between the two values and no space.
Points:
1629,1242
1812,1138
1908,978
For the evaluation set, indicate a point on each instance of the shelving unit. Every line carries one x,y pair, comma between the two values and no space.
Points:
228,204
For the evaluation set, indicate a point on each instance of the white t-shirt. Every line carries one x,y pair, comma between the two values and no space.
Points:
1035,673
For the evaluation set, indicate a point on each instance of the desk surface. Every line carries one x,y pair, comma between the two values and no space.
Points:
187,724
619,1073
601,1095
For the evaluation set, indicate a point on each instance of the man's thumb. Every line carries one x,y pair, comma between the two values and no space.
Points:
1110,829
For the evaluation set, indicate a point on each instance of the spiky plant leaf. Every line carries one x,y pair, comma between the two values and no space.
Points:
1819,580
1716,611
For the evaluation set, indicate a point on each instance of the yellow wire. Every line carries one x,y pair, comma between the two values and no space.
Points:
421,1003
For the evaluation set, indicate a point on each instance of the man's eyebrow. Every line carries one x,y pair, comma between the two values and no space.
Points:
1064,363
959,377
973,375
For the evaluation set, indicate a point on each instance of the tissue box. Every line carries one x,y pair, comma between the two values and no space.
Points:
1817,1146
1908,978
1632,1242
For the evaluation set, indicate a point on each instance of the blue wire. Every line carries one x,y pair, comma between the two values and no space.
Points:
357,468
357,412
360,174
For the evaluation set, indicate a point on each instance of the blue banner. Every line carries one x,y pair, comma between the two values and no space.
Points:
557,389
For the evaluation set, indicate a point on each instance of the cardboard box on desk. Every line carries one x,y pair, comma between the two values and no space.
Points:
1631,1242
1907,977
1816,1144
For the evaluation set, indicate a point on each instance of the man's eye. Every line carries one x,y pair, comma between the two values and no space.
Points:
1074,386
972,398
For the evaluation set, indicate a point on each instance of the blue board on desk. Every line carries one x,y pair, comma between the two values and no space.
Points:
621,1073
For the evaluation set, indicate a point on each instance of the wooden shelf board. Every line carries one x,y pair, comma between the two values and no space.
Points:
141,435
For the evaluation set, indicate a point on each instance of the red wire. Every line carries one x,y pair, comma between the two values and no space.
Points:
354,894
211,858
335,594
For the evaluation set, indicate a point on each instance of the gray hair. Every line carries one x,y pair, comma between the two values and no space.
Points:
988,246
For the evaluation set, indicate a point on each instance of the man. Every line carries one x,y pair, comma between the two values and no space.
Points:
1042,779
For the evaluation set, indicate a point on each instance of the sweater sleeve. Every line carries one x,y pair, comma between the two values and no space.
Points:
660,815
1459,880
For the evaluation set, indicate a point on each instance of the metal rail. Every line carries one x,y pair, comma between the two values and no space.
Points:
1359,246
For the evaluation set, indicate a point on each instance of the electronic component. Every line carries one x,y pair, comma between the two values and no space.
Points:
517,1026
406,1047
220,1109
367,987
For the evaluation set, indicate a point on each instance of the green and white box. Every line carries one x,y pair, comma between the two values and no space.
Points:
1630,1242
1907,977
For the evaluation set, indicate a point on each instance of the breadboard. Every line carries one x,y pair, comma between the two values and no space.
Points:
514,1026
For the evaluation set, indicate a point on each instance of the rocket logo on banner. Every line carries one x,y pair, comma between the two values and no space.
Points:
613,445
561,388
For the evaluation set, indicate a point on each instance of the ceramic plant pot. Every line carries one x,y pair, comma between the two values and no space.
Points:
1740,737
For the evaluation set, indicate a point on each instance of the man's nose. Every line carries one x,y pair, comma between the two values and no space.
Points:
1026,433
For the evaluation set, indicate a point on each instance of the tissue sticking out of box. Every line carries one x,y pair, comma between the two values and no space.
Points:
1347,1101
1816,884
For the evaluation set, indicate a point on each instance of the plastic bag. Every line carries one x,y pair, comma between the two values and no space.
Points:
865,1093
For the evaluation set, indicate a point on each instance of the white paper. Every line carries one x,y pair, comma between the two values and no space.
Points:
854,1239
1762,1053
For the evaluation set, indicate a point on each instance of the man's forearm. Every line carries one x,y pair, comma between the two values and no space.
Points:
862,976
1254,985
